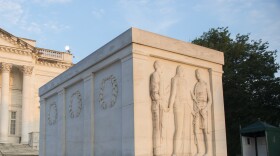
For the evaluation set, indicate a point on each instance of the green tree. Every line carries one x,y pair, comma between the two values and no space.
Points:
251,90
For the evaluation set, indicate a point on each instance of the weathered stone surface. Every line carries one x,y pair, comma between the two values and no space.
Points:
17,150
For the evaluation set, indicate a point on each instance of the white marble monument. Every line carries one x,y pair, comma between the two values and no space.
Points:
140,94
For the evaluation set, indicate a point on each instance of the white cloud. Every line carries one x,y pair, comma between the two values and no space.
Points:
54,26
32,27
51,1
153,15
13,12
39,28
10,11
57,1
98,13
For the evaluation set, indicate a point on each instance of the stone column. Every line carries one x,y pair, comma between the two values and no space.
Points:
218,116
42,140
4,109
26,103
128,107
88,115
61,122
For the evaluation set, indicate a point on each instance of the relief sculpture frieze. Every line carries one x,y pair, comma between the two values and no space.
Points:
189,117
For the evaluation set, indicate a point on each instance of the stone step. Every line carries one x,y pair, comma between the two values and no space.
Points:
7,149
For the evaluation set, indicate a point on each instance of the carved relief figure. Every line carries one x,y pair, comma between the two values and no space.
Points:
202,100
178,100
157,96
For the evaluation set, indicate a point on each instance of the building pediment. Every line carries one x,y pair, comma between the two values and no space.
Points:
9,40
5,43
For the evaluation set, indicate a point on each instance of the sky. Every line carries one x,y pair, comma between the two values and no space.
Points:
86,25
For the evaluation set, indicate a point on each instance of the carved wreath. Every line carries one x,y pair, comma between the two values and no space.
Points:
111,79
52,115
75,113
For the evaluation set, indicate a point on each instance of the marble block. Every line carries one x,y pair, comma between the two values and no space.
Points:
141,94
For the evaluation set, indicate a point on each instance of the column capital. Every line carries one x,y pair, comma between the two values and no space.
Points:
87,77
61,92
6,67
26,70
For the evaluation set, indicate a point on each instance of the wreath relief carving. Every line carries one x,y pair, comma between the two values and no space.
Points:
52,115
75,106
114,93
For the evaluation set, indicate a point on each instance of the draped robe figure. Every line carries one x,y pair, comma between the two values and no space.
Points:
157,96
178,100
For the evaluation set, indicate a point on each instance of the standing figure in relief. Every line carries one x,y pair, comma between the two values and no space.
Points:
178,100
202,99
157,96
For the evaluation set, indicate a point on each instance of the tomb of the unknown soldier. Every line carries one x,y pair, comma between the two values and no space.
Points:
140,94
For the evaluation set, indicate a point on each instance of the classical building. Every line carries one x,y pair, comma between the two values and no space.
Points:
24,68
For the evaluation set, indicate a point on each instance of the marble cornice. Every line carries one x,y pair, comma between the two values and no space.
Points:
56,64
34,56
17,51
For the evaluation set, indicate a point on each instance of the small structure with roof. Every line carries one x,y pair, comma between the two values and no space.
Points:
260,139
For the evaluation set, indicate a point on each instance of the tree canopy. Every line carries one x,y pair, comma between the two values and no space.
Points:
251,90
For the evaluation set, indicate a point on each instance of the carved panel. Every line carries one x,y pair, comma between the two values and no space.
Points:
75,106
189,111
52,115
108,112
114,92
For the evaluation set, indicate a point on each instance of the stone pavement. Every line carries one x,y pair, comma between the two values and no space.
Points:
17,150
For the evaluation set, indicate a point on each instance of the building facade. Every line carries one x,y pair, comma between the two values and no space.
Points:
24,68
